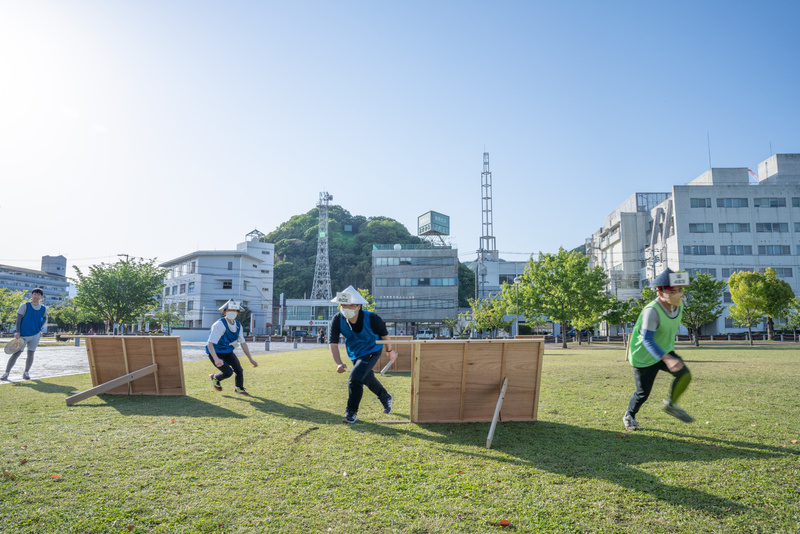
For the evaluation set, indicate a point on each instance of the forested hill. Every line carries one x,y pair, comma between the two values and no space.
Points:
350,240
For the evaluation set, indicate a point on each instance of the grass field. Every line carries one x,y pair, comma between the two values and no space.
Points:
282,460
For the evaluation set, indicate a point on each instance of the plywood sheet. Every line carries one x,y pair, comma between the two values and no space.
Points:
460,380
111,357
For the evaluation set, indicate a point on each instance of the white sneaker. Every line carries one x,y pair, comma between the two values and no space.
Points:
630,422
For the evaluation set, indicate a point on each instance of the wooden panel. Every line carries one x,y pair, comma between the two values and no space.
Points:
403,362
460,380
111,357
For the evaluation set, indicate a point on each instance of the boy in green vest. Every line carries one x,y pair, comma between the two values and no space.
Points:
651,348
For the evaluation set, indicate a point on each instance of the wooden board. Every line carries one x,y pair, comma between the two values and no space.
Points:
403,362
460,380
111,357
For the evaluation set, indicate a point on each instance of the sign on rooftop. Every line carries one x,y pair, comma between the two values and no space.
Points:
433,223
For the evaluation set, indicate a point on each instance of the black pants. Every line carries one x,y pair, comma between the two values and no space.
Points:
362,375
230,365
646,376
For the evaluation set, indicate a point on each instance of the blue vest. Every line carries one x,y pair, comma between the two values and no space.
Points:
361,343
225,343
32,321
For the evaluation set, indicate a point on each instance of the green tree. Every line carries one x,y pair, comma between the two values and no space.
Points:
749,296
702,303
120,292
370,305
647,296
466,285
620,312
793,317
779,296
170,315
560,286
10,301
487,314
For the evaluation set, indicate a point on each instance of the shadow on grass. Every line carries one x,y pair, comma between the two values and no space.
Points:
46,387
589,453
166,406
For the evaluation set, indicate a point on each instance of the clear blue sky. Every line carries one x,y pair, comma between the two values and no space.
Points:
155,128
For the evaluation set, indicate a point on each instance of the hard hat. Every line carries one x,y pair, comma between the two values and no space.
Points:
231,305
349,296
669,278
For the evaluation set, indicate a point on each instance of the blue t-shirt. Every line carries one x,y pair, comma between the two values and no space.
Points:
361,343
32,321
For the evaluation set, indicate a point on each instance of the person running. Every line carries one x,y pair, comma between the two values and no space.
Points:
31,318
651,348
360,329
224,333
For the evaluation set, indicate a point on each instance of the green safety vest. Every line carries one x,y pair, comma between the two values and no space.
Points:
638,355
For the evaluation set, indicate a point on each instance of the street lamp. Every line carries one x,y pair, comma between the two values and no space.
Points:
516,317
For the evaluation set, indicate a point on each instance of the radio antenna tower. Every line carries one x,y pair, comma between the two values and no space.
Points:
488,248
321,289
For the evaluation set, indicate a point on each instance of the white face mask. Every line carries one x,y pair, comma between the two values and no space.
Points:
349,313
231,315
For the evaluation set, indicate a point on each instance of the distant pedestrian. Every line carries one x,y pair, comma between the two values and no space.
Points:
651,348
31,318
360,329
224,334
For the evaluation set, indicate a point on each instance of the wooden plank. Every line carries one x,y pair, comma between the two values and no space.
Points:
463,392
153,359
497,413
102,388
415,374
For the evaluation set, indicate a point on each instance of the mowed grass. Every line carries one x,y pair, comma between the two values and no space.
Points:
282,460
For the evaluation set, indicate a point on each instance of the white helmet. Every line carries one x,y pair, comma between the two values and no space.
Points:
231,305
349,296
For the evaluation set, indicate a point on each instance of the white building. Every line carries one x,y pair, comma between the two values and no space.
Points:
51,279
720,223
202,281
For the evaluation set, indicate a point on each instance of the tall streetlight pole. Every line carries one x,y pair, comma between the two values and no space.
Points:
516,317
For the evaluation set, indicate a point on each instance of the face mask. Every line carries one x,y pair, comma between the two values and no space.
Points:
231,315
348,313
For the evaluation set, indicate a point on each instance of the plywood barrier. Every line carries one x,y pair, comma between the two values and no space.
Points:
403,362
461,380
115,362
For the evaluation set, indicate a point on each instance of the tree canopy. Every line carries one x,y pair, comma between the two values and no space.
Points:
10,302
120,292
749,299
702,303
562,287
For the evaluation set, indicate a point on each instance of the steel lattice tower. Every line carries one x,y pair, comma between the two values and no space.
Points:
488,246
321,288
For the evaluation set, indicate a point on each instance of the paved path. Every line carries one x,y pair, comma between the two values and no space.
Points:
61,360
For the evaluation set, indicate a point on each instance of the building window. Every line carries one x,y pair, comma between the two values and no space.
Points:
701,228
772,227
726,297
797,227
265,252
166,291
230,265
264,271
174,290
698,250
734,228
190,305
227,284
774,250
769,202
735,250
783,272
731,202
700,202
190,288
193,267
702,270
183,289
796,202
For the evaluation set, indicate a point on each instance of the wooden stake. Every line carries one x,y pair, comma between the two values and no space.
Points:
111,384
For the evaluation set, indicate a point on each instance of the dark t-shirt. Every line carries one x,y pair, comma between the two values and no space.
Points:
376,324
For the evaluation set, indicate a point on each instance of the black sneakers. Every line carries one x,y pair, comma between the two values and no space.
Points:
387,406
349,417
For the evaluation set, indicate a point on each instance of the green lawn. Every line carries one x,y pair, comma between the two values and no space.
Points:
282,460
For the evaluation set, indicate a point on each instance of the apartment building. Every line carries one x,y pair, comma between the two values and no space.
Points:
52,279
200,282
724,221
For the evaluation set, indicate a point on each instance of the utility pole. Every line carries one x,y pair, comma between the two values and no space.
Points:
488,245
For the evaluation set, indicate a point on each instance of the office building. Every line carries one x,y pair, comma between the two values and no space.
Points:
52,279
